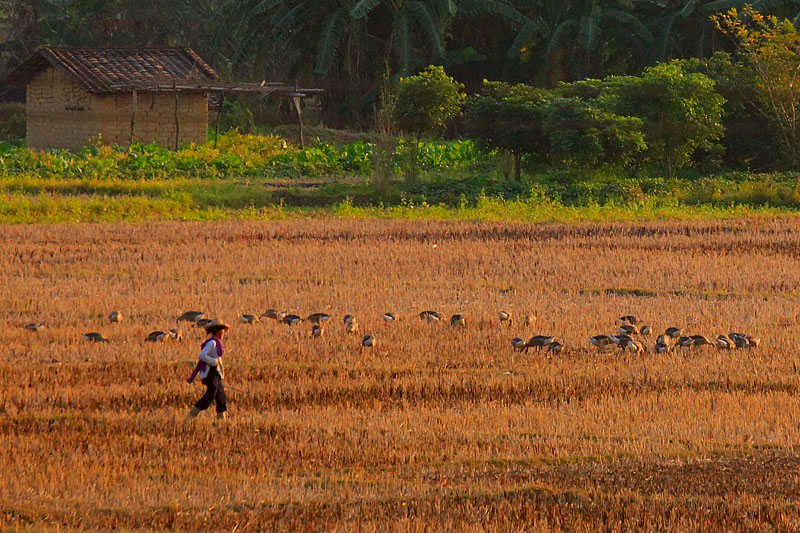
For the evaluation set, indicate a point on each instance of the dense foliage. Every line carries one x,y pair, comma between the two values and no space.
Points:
346,45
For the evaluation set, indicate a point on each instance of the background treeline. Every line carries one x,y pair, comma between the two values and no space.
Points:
347,46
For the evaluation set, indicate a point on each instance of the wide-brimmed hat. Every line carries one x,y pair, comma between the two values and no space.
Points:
216,324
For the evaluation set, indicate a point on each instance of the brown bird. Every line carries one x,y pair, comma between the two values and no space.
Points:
673,332
352,327
95,337
431,316
723,342
555,347
349,318
190,316
175,334
628,329
390,317
316,330
156,336
202,322
538,342
368,341
248,319
273,314
646,330
34,326
518,344
602,341
115,317
458,320
291,320
505,316
318,318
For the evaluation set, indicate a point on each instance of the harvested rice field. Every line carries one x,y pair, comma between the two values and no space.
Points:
436,427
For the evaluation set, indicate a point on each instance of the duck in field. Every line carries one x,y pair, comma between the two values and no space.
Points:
538,342
505,317
248,319
190,316
351,327
273,314
317,330
431,316
518,344
156,336
646,330
115,317
700,340
202,322
627,329
673,332
627,319
602,341
175,334
458,321
684,342
661,348
368,341
555,347
723,342
291,320
34,326
390,317
348,318
95,337
318,318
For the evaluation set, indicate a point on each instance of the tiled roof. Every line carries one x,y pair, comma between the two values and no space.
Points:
108,70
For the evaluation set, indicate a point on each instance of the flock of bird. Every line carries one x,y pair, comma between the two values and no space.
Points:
629,336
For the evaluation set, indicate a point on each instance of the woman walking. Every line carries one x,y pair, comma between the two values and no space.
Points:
209,369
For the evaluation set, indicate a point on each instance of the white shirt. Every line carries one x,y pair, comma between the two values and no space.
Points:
208,355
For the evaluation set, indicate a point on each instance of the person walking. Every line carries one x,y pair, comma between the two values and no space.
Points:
209,369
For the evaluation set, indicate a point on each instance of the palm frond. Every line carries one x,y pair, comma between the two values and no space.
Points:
329,41
589,31
363,7
494,8
559,37
263,6
632,21
524,37
688,8
429,27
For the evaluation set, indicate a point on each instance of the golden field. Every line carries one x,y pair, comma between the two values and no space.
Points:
436,428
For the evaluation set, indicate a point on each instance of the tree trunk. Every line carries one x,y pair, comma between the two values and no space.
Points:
518,167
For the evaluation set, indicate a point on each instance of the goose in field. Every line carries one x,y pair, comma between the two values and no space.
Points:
685,342
202,322
740,341
190,316
661,348
175,334
673,332
248,319
622,340
627,319
529,320
518,344
318,318
753,342
602,341
348,318
458,320
291,320
505,316
663,339
156,336
646,330
390,317
538,342
273,314
700,340
316,330
34,326
368,341
352,327
628,329
95,337
634,346
555,347
431,316
723,342
115,317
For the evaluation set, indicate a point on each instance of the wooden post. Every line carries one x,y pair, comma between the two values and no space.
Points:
177,124
134,104
219,112
298,107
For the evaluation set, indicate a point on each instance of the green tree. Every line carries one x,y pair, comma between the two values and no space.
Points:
510,118
771,48
681,111
424,104
582,134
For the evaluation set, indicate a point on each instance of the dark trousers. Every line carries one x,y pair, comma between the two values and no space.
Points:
215,393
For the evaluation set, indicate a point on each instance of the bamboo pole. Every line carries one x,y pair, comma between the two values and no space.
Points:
177,123
219,112
134,104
